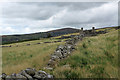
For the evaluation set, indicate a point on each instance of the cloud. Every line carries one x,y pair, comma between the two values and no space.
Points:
106,13
37,12
24,17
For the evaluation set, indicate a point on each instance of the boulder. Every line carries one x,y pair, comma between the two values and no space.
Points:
58,54
3,76
8,77
42,74
30,71
51,63
26,75
54,57
60,47
15,76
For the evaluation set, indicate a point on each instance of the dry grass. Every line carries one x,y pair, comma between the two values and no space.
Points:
67,35
95,57
19,58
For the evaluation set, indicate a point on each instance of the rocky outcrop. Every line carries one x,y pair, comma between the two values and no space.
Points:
27,74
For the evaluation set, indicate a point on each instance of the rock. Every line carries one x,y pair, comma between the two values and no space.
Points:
36,76
70,47
60,47
54,57
51,63
26,75
58,54
3,76
40,74
49,68
8,77
70,42
49,76
30,71
20,77
15,76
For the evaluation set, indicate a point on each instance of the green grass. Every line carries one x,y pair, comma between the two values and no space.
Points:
95,57
21,57
33,56
33,42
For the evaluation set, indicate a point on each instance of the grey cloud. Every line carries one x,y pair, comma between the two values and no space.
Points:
43,10
103,15
29,11
44,16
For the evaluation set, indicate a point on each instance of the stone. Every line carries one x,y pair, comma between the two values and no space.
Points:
41,73
8,77
20,77
58,54
26,75
54,57
3,76
60,47
49,76
37,76
30,71
49,68
15,76
51,63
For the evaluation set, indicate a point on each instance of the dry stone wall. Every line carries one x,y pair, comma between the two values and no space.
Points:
61,52
27,74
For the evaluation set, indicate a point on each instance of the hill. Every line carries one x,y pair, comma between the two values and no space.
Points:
94,57
7,39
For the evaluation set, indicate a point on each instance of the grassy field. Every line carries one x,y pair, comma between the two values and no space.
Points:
33,56
95,57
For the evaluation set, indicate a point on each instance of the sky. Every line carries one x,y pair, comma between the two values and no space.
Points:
31,17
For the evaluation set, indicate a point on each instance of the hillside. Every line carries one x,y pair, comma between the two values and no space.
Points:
7,39
94,57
